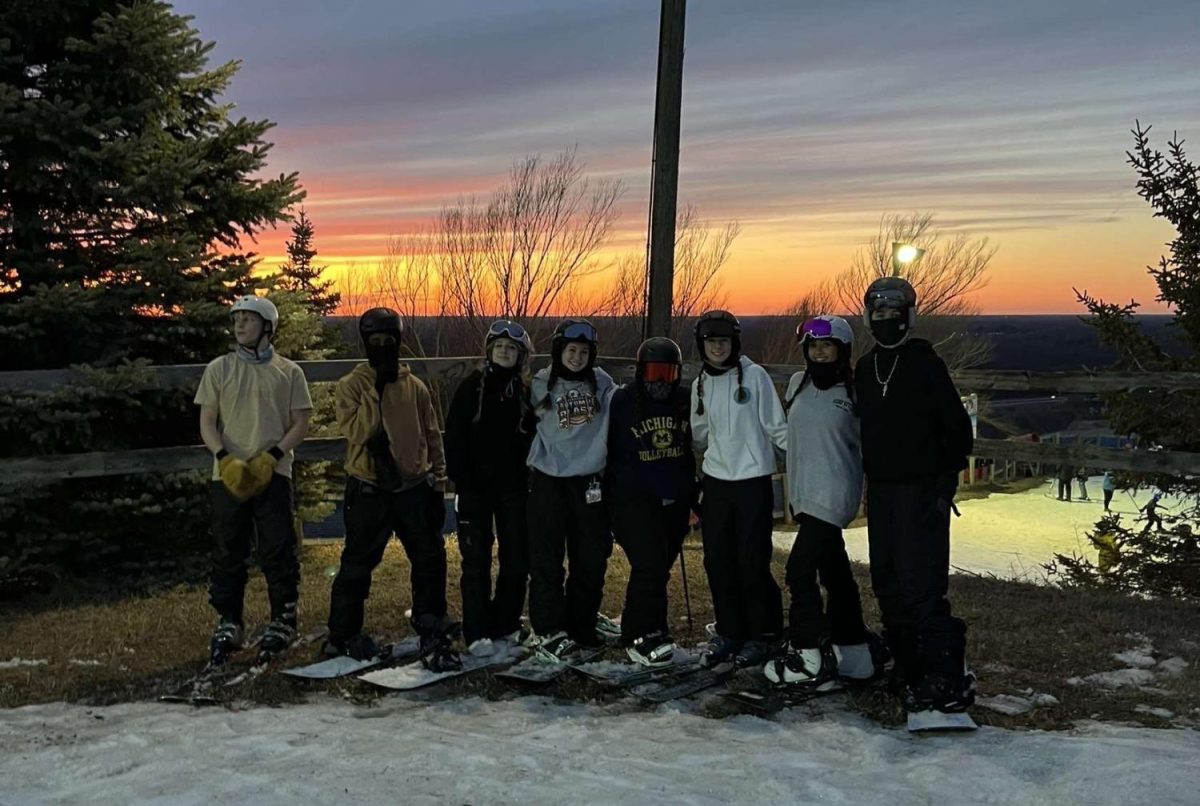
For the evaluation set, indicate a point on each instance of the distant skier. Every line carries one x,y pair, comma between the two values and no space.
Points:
1109,486
1065,475
1153,519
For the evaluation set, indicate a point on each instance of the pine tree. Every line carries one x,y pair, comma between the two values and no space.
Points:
125,186
300,273
1167,561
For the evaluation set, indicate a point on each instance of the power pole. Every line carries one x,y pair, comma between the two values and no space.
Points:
664,186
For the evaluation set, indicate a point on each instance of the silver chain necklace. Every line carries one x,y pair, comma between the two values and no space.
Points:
885,381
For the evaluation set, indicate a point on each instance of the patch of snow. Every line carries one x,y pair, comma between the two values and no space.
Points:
1161,713
531,750
17,663
1006,704
78,662
1138,658
1044,700
1121,678
1172,667
1011,535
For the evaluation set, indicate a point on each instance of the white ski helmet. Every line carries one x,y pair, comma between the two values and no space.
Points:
261,306
825,327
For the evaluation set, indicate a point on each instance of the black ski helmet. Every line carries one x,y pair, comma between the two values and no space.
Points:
894,293
659,350
569,330
719,324
380,320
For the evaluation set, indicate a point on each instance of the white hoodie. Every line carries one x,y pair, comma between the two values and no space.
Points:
739,439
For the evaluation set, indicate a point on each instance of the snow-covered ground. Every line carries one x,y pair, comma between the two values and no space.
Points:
1012,535
531,750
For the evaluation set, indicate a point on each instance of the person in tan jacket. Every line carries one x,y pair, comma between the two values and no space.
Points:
396,469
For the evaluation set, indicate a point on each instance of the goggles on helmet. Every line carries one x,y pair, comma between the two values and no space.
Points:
654,371
580,330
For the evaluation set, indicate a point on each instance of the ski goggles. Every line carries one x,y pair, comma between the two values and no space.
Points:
503,328
580,331
659,371
889,298
815,329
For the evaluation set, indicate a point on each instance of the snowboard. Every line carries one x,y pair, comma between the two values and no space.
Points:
686,683
414,675
940,722
626,674
539,670
343,665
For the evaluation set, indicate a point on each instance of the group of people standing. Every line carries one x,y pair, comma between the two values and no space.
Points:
553,467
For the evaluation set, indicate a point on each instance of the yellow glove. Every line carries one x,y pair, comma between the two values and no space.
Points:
262,470
235,475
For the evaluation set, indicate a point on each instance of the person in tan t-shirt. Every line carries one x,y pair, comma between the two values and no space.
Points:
254,409
396,470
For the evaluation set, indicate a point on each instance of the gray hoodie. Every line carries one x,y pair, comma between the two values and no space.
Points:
824,453
572,435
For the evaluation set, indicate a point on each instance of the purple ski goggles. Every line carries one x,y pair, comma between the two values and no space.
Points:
815,329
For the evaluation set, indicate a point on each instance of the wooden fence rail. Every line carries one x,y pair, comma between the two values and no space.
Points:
173,459
449,369
170,460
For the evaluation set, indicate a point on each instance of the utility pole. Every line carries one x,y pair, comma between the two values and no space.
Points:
664,185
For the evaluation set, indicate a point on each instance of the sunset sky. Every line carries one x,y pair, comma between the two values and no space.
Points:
804,121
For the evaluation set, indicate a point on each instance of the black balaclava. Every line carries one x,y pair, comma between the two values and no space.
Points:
826,376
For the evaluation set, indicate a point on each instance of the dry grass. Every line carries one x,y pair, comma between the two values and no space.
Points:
1021,637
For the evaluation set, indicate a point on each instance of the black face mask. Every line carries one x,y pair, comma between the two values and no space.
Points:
385,360
826,376
659,390
889,332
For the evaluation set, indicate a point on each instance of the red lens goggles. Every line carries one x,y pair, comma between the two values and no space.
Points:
657,371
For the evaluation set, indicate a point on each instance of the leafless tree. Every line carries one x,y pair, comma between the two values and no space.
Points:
521,253
945,278
702,249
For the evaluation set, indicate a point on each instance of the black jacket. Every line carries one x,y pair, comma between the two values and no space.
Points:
488,457
920,429
650,452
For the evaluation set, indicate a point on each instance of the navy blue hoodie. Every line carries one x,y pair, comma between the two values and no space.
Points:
650,450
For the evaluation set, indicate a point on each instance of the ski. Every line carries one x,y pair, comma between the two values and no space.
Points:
343,665
693,681
414,675
773,700
538,670
626,675
270,662
940,722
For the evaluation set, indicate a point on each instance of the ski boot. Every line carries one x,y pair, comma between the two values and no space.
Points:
813,667
654,650
947,694
719,650
358,647
754,653
555,648
226,640
279,635
437,636
854,661
608,629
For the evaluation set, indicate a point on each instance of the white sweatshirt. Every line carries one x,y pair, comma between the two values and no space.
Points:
739,438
